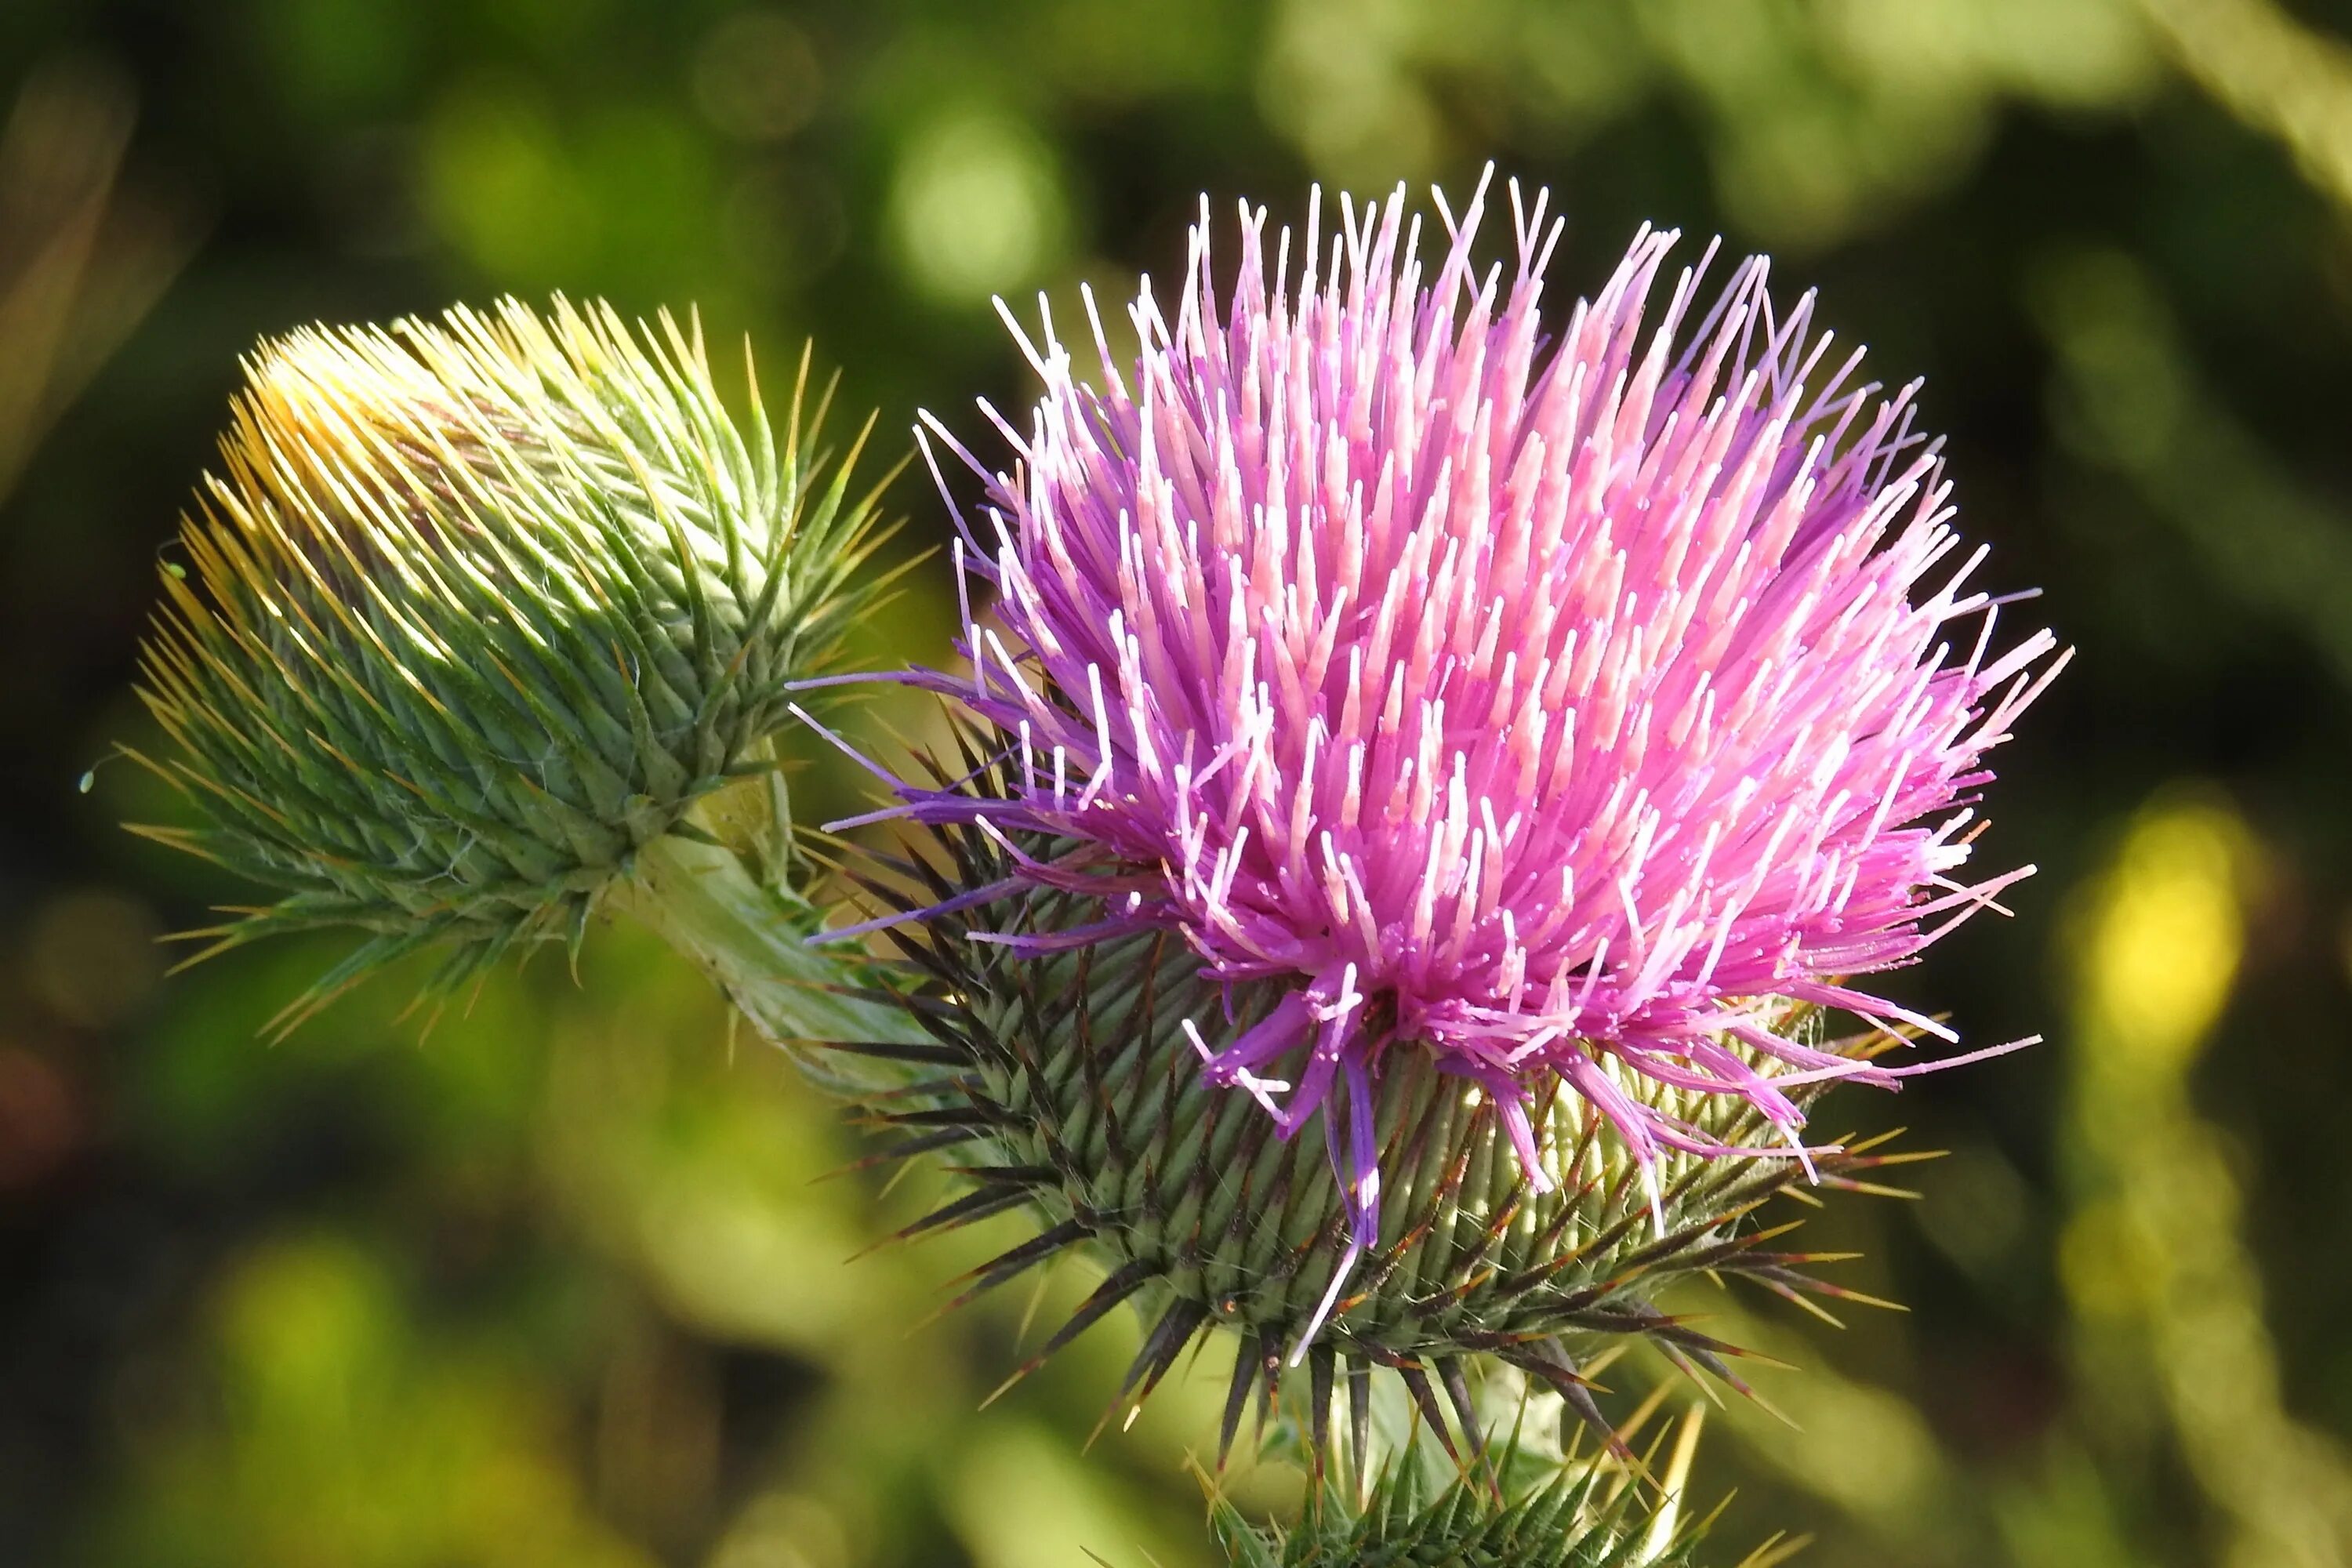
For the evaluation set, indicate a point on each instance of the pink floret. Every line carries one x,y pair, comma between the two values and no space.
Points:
1524,693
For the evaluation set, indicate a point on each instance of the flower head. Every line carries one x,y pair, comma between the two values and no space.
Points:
480,608
1557,701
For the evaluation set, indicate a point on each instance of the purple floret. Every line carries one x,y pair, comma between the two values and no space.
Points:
1563,702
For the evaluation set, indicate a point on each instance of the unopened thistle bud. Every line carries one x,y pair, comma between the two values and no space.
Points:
1525,1506
1486,746
476,612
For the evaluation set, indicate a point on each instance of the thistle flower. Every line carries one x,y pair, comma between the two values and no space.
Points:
479,611
1562,709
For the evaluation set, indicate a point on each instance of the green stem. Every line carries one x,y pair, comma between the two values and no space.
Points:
752,940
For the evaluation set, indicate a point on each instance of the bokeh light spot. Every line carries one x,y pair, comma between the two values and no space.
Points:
756,77
500,185
93,957
975,208
39,1122
2162,945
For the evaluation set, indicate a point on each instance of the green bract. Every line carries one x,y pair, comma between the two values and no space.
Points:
480,608
1065,1085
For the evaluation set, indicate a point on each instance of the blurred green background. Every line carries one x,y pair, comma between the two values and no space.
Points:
556,1284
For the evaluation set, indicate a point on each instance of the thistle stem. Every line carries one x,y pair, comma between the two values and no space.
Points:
752,940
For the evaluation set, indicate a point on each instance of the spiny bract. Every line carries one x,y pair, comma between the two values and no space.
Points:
1063,1085
481,607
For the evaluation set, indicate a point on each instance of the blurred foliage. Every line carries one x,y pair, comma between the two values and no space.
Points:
555,1283
79,260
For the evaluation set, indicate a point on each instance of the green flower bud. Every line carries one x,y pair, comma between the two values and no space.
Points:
478,611
1527,1506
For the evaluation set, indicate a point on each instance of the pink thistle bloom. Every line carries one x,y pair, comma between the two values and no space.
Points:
1528,695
